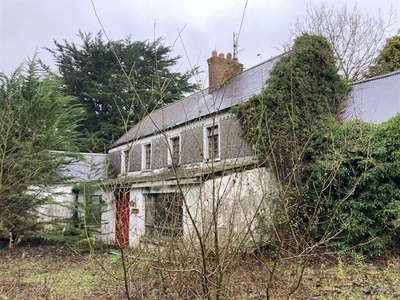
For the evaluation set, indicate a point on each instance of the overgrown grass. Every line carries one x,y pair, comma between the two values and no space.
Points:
56,271
378,280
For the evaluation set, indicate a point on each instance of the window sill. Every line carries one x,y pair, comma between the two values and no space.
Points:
212,160
171,166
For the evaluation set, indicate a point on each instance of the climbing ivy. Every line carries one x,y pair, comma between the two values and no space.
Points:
303,94
356,187
331,177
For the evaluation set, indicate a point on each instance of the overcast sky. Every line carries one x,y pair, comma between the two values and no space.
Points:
27,26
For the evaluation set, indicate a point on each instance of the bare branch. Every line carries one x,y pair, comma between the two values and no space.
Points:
356,38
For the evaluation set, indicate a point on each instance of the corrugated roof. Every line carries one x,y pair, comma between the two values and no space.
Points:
375,99
237,90
85,167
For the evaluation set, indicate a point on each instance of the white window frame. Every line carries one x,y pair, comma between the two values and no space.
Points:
206,148
125,160
171,150
144,156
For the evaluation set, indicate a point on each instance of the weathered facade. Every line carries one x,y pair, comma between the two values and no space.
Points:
187,166
188,161
70,196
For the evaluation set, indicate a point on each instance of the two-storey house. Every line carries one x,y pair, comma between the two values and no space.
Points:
187,166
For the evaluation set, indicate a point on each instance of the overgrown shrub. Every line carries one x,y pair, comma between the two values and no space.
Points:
339,184
355,185
35,118
285,122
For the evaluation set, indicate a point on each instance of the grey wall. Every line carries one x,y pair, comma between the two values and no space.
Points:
232,145
135,158
114,163
231,141
192,145
159,153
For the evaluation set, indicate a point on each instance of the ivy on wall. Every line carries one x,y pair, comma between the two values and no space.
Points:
339,184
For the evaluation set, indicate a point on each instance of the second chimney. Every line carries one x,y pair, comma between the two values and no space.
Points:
220,69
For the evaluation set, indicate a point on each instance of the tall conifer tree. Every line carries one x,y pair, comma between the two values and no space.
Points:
118,83
35,118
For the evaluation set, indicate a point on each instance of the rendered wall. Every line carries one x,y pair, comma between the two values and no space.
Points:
236,198
60,206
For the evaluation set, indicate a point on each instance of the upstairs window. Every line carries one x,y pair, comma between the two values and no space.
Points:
212,142
147,157
175,154
164,214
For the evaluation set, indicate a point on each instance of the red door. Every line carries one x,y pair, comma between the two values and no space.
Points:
122,218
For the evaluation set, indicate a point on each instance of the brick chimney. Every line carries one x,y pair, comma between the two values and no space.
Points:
220,69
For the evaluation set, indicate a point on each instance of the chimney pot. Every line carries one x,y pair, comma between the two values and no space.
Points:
235,59
221,70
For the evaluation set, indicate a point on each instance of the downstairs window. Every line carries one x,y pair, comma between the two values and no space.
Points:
164,214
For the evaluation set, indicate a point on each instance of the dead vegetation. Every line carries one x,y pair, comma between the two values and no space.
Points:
57,271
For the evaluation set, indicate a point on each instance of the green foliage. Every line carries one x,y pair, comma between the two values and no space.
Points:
87,217
303,92
118,83
339,183
35,116
389,58
384,182
356,186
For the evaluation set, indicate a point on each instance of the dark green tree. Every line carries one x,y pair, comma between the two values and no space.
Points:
117,82
35,117
389,58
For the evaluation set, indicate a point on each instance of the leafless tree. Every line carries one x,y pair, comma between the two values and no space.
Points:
356,38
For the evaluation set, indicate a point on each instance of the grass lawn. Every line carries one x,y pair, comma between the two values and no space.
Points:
56,271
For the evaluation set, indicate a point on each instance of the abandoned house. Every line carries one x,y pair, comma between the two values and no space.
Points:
186,166
187,161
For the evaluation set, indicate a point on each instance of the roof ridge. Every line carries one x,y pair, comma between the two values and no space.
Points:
201,97
205,90
375,77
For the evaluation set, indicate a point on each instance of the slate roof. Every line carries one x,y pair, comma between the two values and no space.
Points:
199,105
375,99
